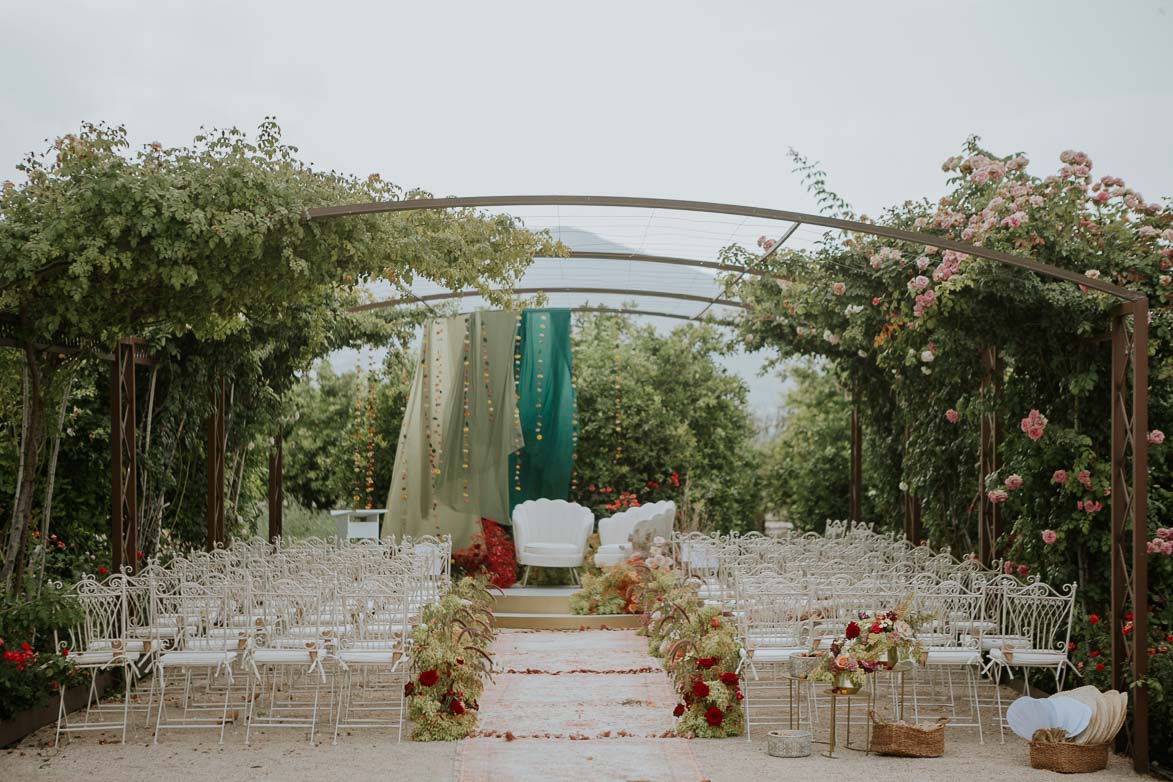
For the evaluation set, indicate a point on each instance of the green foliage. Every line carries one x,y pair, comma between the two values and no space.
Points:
804,467
203,251
680,429
30,676
319,444
907,324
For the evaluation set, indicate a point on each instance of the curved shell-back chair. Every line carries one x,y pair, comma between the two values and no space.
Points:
615,535
551,533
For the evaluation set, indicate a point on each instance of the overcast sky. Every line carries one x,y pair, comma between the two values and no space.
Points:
673,99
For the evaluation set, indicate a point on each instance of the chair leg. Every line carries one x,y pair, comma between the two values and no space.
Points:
525,576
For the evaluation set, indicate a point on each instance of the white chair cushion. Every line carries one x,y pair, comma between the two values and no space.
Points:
196,658
550,548
1034,658
281,656
351,656
102,657
953,656
773,654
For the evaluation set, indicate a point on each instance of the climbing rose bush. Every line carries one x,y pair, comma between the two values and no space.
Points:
908,334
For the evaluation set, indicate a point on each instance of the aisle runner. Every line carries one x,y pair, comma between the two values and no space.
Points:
585,705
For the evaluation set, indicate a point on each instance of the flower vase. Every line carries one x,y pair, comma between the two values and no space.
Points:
843,684
893,658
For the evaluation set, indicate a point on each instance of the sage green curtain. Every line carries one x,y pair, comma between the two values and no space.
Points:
413,502
549,421
482,426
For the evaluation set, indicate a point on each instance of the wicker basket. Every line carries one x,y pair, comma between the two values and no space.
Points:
1068,758
906,740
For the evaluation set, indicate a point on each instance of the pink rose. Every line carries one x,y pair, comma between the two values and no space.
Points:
1013,481
1023,571
997,496
1060,476
1008,567
1085,478
1034,424
952,416
1049,536
875,300
1156,437
838,288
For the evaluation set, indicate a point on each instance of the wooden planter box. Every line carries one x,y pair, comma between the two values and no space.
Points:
26,722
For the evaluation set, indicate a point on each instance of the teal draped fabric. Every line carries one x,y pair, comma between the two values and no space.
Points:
546,406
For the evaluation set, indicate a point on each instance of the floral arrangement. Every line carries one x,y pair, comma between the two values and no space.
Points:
619,589
450,661
703,663
608,593
878,640
491,553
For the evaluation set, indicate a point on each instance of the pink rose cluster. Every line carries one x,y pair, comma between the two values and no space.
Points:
766,243
1089,506
1009,567
950,264
1085,478
1162,543
1034,424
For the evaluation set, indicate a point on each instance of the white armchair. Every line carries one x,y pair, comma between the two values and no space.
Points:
551,533
615,536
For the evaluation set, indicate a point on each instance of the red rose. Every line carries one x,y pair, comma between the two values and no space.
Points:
1093,620
1099,666
64,651
714,716
706,662
700,689
456,707
409,689
101,570
716,621
1095,652
679,710
851,631
428,678
729,678
138,555
875,628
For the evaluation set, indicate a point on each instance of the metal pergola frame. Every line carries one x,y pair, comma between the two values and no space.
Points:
1129,397
1129,413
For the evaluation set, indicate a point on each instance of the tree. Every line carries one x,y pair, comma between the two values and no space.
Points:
660,419
204,251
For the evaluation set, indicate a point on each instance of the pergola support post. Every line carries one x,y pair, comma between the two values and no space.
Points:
123,459
990,437
215,459
276,487
856,458
1129,505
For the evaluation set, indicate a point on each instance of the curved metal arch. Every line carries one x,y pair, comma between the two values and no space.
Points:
587,308
375,305
672,260
915,237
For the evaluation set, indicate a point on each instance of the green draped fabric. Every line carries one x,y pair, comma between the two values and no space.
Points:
482,428
549,422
